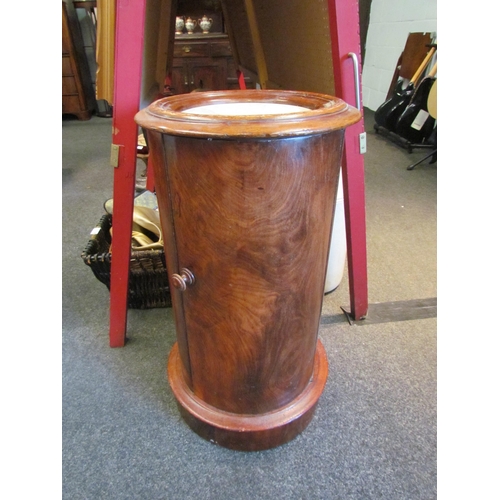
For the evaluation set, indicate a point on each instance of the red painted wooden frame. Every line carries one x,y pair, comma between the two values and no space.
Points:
344,33
129,41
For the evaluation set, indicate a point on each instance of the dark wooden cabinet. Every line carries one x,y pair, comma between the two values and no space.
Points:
76,85
198,74
247,225
204,62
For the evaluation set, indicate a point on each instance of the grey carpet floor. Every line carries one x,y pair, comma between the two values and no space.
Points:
374,432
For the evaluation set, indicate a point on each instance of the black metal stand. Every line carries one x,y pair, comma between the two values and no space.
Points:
432,141
433,160
405,143
401,141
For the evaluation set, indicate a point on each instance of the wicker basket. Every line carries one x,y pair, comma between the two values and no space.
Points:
148,278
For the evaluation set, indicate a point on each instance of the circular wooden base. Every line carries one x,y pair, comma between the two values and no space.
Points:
248,432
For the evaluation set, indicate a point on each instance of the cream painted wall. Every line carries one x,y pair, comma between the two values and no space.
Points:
390,23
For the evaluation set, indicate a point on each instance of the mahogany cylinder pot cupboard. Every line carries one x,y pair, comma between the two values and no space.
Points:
246,182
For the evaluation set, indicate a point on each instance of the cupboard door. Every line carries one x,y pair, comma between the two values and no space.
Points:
202,74
251,221
207,75
180,83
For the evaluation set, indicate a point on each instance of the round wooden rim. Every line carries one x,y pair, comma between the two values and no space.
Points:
323,113
248,423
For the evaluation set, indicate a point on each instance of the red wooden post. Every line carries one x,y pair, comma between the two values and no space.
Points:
344,31
129,39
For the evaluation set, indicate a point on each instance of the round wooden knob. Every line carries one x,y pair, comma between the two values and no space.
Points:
180,281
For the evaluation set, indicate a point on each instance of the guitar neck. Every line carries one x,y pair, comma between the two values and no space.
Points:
433,71
422,67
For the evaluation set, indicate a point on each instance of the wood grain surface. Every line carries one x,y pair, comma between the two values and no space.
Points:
252,221
248,432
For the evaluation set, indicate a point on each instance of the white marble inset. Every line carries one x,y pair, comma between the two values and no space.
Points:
246,109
